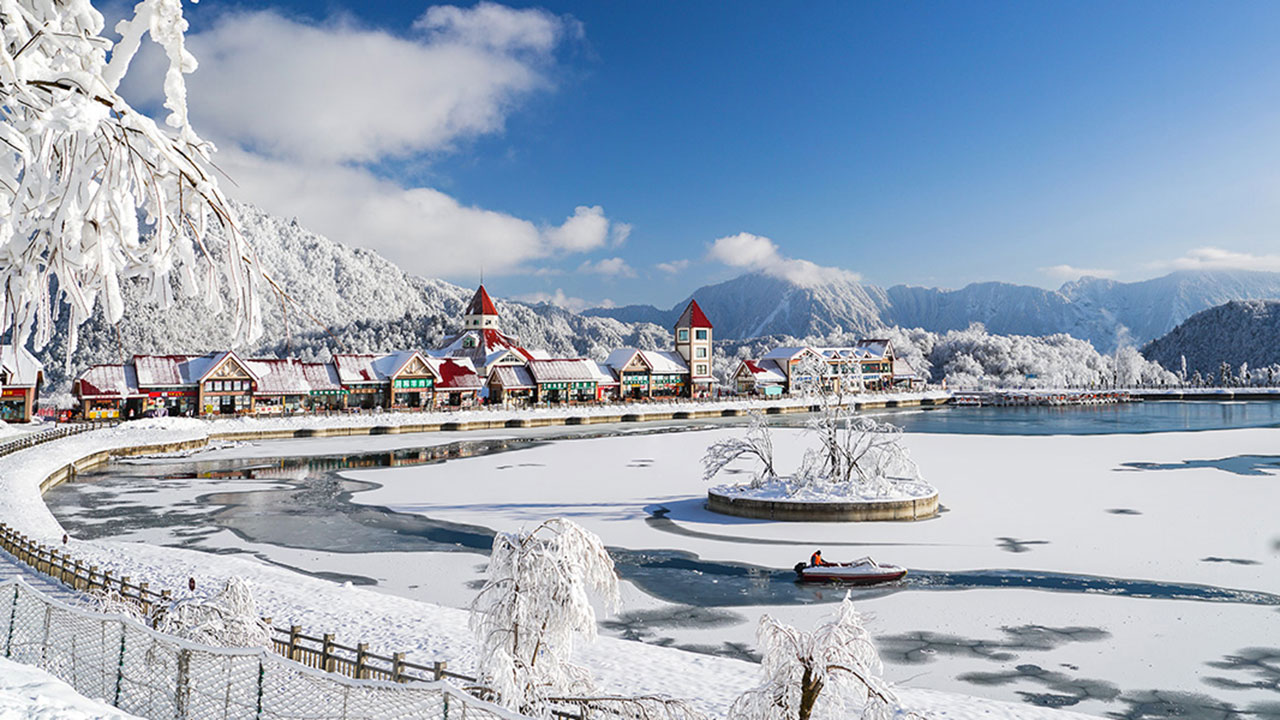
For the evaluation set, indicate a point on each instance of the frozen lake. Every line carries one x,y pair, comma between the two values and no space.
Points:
1098,573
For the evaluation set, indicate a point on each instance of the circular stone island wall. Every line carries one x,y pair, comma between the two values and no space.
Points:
799,511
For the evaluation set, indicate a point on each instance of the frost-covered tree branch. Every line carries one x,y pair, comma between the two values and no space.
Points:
92,191
758,443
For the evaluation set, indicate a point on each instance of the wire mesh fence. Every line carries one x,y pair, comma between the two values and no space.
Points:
146,673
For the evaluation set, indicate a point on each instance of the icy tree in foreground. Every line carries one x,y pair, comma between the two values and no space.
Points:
535,602
757,444
817,675
230,619
92,191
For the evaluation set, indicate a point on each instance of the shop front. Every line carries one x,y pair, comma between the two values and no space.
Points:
412,392
16,404
327,400
635,384
227,397
668,386
366,397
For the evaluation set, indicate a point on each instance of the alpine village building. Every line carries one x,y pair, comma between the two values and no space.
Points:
480,364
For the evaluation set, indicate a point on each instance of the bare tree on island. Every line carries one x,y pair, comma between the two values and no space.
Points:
79,167
536,601
812,675
757,444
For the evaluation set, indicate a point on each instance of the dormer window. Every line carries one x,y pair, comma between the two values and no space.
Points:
469,342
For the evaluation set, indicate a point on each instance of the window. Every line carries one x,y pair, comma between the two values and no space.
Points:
702,334
684,335
702,369
469,342
702,352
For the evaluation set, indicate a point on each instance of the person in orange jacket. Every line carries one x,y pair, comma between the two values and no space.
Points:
815,560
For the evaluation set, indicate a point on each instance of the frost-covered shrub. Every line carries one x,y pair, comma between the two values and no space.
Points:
229,619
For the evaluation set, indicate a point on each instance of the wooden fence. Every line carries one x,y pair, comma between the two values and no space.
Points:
321,653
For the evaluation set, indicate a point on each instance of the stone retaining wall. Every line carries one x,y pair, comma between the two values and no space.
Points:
917,509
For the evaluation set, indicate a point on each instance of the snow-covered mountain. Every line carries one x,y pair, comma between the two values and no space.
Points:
1238,332
1105,312
344,299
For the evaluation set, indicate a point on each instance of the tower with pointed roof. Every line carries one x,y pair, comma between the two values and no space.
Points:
693,343
481,313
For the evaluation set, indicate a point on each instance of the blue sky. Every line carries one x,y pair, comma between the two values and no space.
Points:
923,143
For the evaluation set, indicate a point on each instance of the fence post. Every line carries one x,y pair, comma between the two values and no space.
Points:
119,668
182,698
326,652
88,584
397,667
261,672
294,632
13,612
362,649
437,669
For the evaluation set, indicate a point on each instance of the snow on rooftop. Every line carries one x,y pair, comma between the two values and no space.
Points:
21,367
563,370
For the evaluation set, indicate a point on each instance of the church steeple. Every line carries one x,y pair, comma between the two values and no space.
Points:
480,313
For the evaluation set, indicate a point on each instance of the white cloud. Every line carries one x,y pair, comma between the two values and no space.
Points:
339,92
1215,258
609,267
559,299
673,267
420,229
619,234
495,26
587,229
306,117
1068,272
758,253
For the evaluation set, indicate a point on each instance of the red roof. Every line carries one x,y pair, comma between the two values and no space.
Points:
456,376
693,317
481,304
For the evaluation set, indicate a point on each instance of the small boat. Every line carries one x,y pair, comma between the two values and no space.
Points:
863,571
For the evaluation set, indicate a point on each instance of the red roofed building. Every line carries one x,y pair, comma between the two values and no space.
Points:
482,342
480,312
693,342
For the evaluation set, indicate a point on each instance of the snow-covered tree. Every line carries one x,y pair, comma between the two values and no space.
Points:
535,602
93,191
817,675
757,444
861,450
229,619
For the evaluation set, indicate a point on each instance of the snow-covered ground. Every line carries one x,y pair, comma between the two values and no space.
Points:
1070,504
29,693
